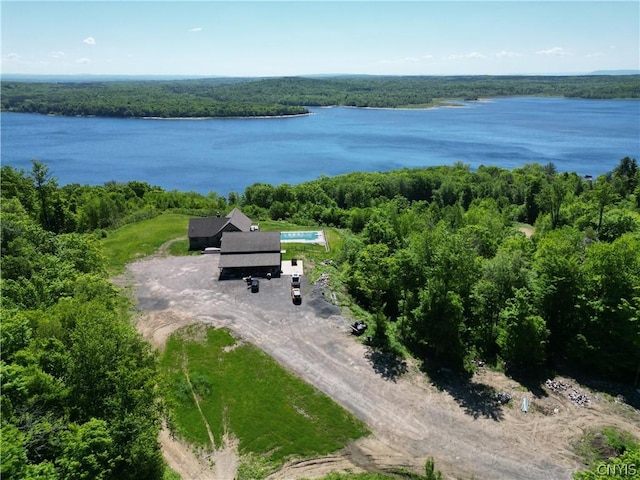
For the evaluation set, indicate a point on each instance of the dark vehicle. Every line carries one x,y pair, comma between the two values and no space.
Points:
358,328
255,286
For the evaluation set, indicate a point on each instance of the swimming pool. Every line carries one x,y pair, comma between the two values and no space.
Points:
303,237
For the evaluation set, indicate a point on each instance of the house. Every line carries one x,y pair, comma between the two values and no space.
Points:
207,232
252,253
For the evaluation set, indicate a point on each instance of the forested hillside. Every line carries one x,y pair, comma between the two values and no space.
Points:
434,256
436,252
79,384
289,96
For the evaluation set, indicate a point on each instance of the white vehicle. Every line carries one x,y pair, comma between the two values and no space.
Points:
296,296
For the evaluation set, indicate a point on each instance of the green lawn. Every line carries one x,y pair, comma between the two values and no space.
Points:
140,239
306,250
271,412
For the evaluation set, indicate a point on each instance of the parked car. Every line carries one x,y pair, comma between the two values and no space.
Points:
296,296
255,286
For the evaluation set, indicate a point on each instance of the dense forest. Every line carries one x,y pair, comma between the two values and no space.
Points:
434,256
79,385
290,96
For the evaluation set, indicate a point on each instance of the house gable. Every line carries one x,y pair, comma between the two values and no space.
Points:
207,232
239,220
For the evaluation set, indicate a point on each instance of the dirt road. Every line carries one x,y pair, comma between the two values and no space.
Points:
410,419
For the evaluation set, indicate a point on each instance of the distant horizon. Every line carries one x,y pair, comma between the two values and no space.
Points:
311,75
257,39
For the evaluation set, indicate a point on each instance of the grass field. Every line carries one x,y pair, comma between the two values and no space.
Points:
141,239
270,411
308,250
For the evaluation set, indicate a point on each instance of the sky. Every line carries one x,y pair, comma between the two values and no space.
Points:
268,38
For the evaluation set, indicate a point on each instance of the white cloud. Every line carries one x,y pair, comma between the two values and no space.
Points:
594,55
196,29
57,54
553,52
12,56
83,60
90,41
507,54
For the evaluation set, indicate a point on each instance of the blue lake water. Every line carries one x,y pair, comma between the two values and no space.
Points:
223,155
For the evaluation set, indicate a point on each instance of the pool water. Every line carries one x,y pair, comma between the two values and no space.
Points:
297,236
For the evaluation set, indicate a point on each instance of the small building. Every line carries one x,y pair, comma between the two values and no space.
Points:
207,232
250,253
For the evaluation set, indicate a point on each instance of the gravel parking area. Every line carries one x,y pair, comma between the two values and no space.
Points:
409,418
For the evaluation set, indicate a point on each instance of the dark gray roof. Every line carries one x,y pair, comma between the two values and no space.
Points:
211,226
240,220
206,227
250,260
250,242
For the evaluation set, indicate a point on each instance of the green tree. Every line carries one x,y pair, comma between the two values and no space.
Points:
438,323
502,276
89,452
13,461
17,185
603,194
449,268
45,186
523,335
551,198
380,231
625,176
259,195
368,277
617,222
558,285
612,296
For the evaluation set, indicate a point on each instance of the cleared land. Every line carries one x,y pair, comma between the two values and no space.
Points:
411,419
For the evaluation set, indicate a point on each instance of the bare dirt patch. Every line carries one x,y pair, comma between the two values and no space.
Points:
528,231
184,460
410,418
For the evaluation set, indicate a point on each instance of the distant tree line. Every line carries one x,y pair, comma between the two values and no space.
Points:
290,95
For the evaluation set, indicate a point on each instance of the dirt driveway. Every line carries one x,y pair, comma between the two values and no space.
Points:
410,419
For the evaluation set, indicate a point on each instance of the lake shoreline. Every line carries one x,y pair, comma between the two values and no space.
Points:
449,103
586,137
